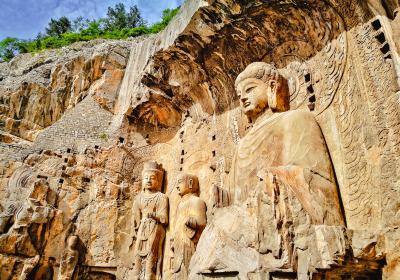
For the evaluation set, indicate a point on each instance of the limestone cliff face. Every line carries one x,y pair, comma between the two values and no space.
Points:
38,89
85,119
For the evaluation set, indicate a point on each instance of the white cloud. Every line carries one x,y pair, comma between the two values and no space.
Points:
25,18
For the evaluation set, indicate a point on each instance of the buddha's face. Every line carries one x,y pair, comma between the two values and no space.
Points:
183,187
150,180
253,94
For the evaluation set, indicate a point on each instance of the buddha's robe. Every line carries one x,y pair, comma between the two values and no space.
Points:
289,139
150,234
186,237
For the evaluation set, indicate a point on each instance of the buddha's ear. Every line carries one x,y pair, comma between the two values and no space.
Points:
272,94
190,184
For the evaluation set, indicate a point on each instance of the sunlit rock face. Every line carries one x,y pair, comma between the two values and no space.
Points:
294,169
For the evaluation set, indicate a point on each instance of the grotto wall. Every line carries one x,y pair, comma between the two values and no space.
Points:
105,139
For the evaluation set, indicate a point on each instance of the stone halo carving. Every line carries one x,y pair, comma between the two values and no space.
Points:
164,154
313,75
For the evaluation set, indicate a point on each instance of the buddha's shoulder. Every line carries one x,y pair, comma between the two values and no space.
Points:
298,115
195,199
298,118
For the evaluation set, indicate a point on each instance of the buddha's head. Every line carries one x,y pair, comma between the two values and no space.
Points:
152,176
260,87
187,183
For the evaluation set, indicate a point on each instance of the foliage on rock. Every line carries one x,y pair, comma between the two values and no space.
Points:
119,24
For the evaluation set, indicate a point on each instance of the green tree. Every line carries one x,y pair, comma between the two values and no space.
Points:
92,28
134,18
8,48
118,19
58,27
38,39
78,24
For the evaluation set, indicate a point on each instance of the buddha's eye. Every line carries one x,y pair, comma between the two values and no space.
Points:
249,89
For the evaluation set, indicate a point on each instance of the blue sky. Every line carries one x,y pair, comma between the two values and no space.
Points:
25,18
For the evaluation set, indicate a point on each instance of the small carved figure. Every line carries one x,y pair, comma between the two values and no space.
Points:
150,216
69,259
34,209
29,265
190,221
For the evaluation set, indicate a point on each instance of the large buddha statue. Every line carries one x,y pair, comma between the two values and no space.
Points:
281,139
150,211
283,160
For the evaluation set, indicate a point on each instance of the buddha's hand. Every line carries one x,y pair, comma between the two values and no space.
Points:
191,222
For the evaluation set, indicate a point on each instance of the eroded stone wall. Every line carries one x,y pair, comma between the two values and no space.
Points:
87,126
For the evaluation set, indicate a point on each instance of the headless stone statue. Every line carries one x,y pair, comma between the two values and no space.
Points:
34,209
69,259
150,211
190,221
29,265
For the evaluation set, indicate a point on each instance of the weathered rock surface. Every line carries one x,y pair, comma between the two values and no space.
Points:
86,118
36,90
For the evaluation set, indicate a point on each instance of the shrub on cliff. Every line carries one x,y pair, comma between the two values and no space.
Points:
118,25
58,27
118,19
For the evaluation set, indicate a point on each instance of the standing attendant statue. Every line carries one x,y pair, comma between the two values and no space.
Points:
150,211
69,259
190,221
29,265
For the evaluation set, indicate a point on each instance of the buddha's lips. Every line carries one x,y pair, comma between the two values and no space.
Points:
246,104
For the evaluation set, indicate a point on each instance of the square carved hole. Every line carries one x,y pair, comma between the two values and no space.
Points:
121,140
68,150
385,48
310,89
61,181
307,77
376,24
86,180
213,153
65,160
381,38
214,137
